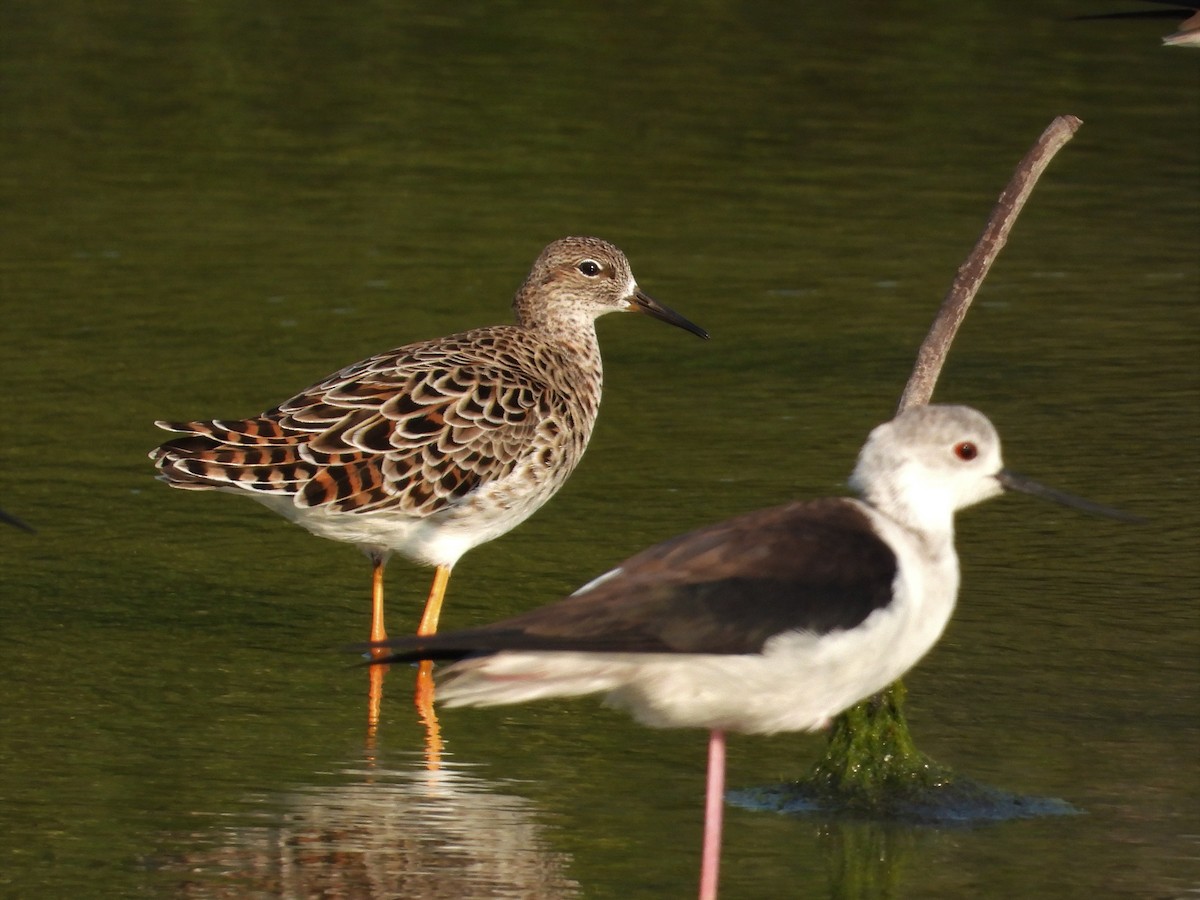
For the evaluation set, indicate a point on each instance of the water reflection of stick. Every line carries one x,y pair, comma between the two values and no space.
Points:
971,273
870,754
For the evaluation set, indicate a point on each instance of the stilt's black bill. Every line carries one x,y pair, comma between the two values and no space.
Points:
1011,481
651,307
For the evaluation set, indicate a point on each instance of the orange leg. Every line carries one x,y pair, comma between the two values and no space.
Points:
375,674
424,694
433,605
378,631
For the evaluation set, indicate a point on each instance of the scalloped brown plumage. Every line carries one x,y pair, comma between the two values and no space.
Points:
435,447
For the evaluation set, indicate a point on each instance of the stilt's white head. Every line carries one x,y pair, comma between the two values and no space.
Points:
927,463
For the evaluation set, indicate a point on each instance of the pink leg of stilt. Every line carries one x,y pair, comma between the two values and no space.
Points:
714,808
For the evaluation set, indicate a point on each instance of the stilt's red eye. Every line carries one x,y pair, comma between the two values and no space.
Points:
966,451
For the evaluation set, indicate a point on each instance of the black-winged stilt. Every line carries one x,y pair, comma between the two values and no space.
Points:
776,620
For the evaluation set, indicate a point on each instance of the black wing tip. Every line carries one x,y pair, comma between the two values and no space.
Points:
405,650
16,523
1181,10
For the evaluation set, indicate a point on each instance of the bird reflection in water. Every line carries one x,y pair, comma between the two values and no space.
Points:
410,833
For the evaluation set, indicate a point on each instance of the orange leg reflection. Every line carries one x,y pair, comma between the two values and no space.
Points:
375,675
424,702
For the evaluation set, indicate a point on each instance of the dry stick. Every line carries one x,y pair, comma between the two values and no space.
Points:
869,745
932,355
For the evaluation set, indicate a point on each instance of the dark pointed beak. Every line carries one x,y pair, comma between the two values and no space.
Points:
651,307
1011,481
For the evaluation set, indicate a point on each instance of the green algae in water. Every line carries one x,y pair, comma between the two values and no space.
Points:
873,769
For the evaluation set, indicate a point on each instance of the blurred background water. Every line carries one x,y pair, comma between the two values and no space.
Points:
207,206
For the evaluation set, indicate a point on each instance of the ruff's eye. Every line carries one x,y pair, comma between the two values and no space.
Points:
589,267
966,451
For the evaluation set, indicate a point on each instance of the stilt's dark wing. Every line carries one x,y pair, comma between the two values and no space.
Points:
816,566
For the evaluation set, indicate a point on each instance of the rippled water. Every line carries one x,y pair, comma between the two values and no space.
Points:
208,206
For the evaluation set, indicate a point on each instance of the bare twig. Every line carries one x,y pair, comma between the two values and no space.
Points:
871,758
932,355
